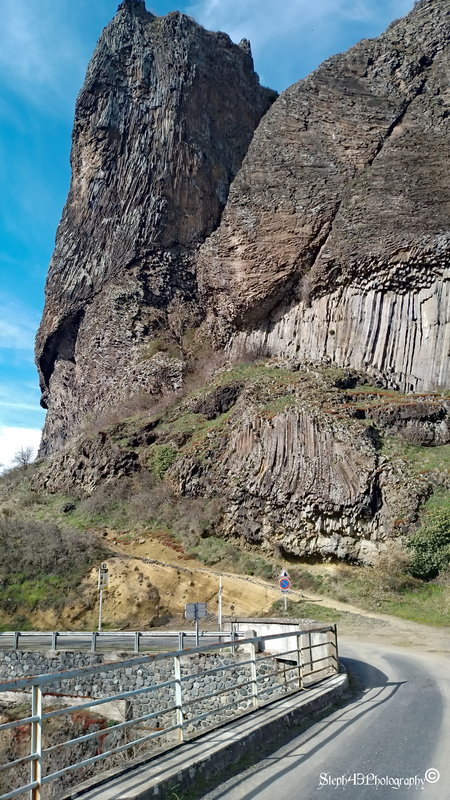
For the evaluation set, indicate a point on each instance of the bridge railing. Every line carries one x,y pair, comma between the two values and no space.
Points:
174,697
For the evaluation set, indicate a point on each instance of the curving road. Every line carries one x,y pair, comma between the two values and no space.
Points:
396,729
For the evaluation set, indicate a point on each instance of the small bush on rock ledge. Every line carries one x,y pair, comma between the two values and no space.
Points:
430,547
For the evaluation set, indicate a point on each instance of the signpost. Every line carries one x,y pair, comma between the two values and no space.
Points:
220,605
284,584
195,611
102,584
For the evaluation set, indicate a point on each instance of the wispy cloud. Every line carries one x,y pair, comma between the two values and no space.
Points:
42,55
297,31
18,325
269,19
19,401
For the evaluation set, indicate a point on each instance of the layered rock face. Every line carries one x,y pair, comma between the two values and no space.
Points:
323,237
162,123
335,239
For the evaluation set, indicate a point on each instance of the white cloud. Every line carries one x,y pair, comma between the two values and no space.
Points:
18,325
269,19
40,51
299,30
12,439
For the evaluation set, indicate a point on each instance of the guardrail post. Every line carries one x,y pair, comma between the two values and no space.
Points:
253,674
178,697
311,656
232,639
54,639
299,662
36,741
180,640
93,641
136,641
336,653
16,640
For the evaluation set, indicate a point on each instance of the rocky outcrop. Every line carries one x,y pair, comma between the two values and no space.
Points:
321,240
334,242
162,123
293,457
305,484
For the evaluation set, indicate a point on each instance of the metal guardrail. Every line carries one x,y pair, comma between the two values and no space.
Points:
291,668
136,641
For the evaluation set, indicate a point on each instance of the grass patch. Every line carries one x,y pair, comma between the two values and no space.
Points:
389,591
40,563
304,610
420,459
214,550
161,345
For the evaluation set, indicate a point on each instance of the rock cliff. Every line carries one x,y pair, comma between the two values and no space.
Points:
162,123
334,242
320,240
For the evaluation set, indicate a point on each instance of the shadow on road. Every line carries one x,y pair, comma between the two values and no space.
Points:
372,688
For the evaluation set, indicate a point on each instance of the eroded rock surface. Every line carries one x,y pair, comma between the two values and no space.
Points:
162,123
330,247
334,242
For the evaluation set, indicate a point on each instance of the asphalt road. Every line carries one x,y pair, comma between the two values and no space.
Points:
385,743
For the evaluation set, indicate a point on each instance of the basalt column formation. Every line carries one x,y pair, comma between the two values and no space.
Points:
334,244
162,123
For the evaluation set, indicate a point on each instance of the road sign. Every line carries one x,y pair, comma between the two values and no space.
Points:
284,573
284,584
102,584
103,576
195,610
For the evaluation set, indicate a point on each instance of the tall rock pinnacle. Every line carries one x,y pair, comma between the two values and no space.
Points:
162,123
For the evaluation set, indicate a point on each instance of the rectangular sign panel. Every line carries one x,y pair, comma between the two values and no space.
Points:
103,578
195,610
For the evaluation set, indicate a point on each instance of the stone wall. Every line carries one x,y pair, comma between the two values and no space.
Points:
229,678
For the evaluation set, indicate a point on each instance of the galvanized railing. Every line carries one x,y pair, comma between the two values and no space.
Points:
99,641
312,657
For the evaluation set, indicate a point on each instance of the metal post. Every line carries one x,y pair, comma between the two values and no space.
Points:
180,640
253,673
16,640
36,741
100,611
285,602
336,647
136,641
54,638
232,638
299,662
196,630
94,641
178,697
310,656
220,605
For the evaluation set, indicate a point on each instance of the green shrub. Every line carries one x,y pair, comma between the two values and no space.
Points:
430,546
161,345
161,458
40,563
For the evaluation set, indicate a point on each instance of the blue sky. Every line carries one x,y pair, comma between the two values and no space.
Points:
45,46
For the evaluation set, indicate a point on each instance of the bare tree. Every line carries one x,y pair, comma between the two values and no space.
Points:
23,457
